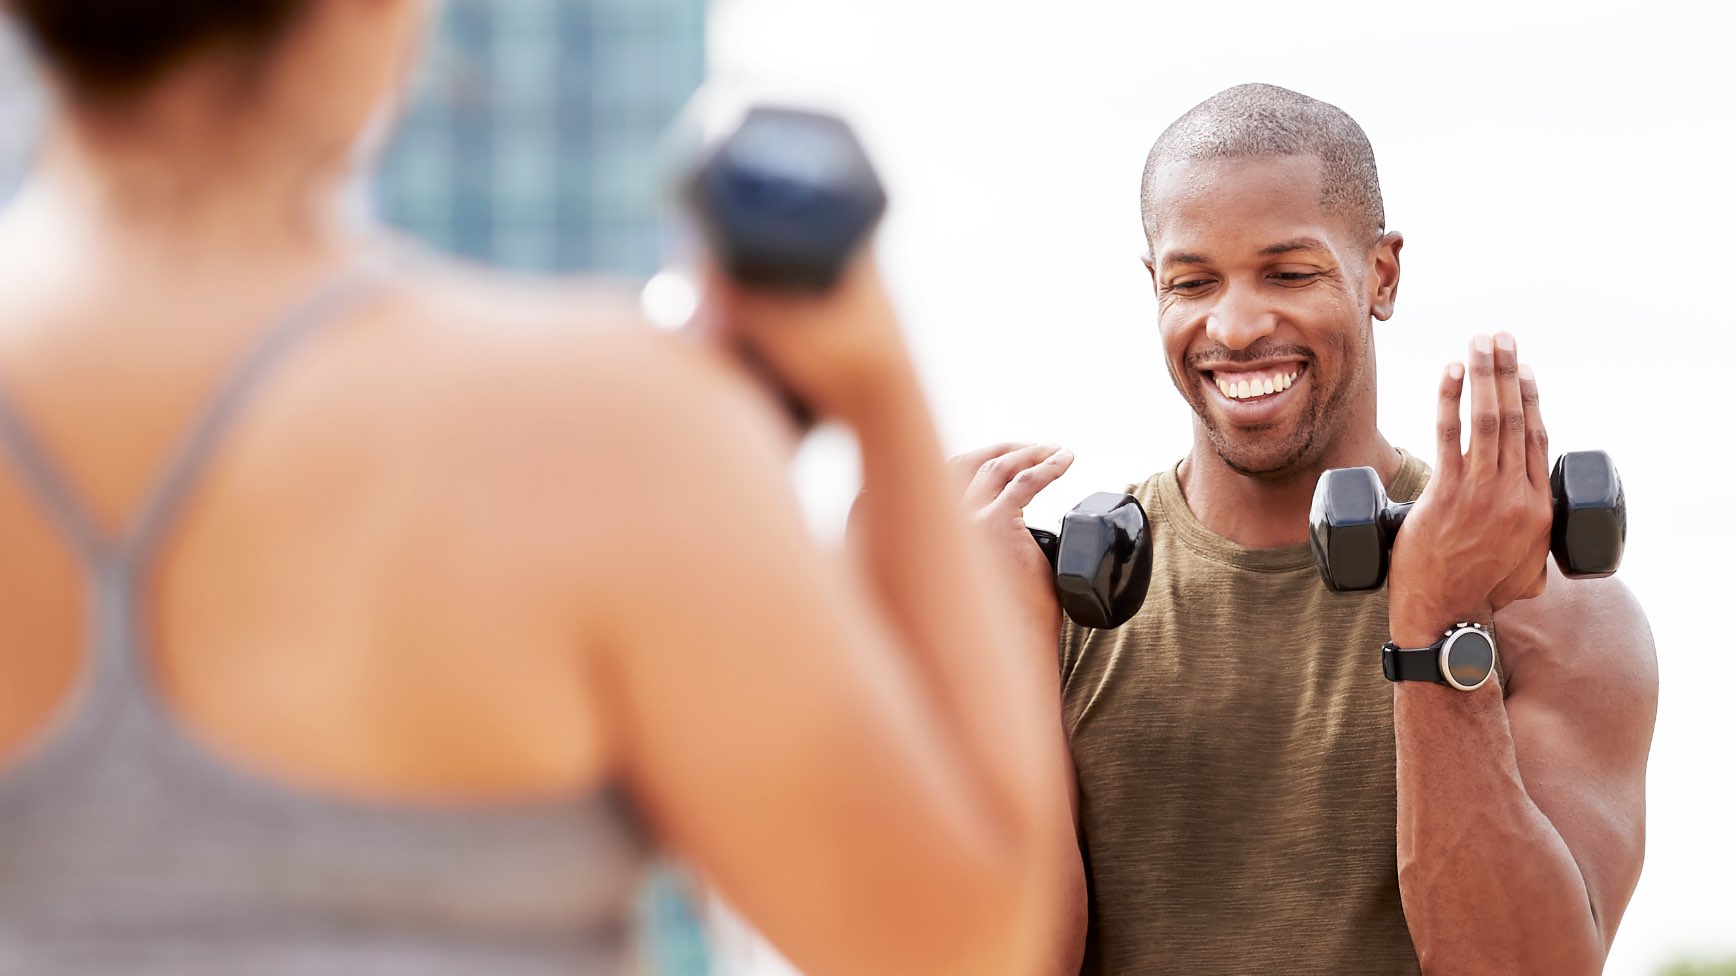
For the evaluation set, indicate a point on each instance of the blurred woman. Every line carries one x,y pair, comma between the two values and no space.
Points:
361,620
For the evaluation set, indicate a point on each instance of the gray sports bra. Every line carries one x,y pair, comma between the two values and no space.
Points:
126,848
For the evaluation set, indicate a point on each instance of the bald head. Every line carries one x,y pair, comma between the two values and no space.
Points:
1265,120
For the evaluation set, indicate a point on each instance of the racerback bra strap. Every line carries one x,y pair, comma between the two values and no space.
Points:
324,304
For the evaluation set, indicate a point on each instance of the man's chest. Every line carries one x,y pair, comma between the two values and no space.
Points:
1243,732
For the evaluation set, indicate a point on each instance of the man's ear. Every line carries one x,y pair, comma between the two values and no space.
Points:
1150,266
1384,279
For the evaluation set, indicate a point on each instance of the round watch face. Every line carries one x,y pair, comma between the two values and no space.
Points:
1467,659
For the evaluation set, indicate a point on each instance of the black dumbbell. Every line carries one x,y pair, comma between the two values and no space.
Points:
1101,558
1352,524
786,199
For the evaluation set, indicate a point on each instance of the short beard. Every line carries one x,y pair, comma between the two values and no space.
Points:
1293,458
1302,452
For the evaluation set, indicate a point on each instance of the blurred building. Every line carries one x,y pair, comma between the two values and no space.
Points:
20,109
530,136
532,139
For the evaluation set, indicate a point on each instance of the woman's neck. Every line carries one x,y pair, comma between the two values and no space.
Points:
193,173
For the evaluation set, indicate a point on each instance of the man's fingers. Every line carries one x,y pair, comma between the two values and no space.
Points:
1536,436
1449,461
1484,455
964,467
1032,480
993,475
975,458
1512,450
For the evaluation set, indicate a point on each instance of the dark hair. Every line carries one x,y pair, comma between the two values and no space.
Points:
115,47
1265,120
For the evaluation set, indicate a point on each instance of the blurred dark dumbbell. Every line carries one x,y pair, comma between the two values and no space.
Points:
1101,558
785,200
783,203
1352,524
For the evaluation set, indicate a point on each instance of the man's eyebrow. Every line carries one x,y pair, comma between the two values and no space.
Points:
1270,250
1184,257
1294,244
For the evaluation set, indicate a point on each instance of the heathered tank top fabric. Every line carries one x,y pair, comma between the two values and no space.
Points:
1234,748
125,847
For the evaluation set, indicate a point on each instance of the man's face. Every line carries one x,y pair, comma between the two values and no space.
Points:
1264,299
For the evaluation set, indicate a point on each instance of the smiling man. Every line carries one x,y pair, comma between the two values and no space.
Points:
1253,794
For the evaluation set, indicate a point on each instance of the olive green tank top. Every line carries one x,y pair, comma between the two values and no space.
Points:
1234,748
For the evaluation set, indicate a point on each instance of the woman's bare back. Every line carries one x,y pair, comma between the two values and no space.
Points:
357,597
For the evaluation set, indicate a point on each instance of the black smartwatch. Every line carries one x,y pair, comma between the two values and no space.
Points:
1463,659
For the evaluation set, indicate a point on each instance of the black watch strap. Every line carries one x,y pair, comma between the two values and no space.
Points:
1411,663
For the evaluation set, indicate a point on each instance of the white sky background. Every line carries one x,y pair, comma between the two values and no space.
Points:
1560,169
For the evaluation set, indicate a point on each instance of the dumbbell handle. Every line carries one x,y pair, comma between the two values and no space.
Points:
1393,517
1606,559
1050,543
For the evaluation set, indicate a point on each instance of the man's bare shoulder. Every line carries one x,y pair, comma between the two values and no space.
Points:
1583,636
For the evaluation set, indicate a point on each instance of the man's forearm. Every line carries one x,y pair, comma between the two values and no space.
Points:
1488,884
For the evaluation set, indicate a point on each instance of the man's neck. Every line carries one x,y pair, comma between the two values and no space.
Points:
1265,513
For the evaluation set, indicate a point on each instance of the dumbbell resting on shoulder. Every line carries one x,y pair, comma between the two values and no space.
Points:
1101,559
1352,524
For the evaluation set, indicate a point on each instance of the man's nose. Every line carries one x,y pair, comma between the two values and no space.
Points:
1240,319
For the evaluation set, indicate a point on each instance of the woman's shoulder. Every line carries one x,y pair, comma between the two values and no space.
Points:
568,361
452,301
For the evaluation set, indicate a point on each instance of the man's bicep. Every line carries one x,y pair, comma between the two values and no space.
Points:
1582,712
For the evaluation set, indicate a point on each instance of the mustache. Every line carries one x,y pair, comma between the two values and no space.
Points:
1260,350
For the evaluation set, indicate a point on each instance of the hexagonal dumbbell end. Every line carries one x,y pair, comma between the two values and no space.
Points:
1350,529
1103,560
786,199
1590,527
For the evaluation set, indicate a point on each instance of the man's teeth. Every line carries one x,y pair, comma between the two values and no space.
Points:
1254,386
